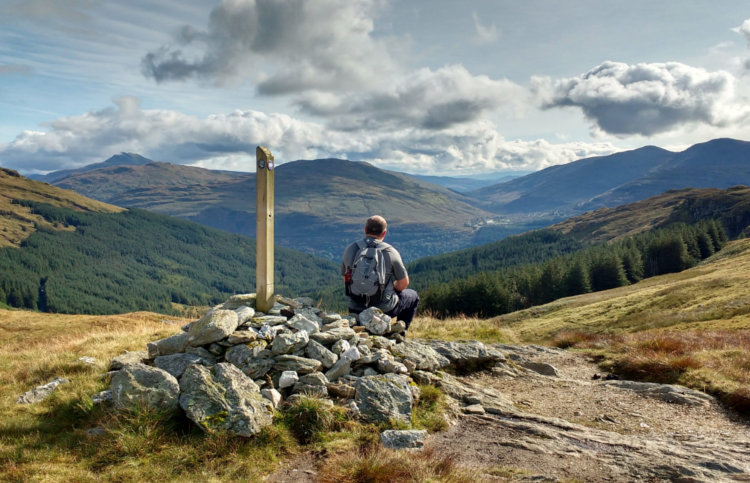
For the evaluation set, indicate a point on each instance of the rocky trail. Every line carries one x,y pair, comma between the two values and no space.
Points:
568,427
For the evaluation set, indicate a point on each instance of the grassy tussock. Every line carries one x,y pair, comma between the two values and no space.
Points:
377,465
462,327
717,362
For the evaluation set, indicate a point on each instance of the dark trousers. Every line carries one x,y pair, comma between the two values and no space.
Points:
408,302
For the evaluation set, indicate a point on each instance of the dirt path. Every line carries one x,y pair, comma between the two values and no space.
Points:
570,428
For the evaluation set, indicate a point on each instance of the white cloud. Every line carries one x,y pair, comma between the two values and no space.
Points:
223,140
646,99
485,34
425,99
285,46
744,30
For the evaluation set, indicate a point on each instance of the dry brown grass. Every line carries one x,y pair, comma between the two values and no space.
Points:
47,441
462,327
17,222
717,362
378,465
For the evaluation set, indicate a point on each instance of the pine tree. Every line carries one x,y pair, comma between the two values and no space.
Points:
632,262
607,272
577,280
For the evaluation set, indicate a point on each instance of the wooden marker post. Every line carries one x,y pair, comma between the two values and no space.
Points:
264,229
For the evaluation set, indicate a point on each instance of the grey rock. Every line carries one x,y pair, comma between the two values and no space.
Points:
666,392
102,397
217,349
341,368
386,397
351,354
41,392
288,343
171,345
426,378
462,353
200,351
268,333
314,379
352,320
305,302
369,371
382,343
328,318
257,368
410,366
474,409
301,365
300,322
397,327
223,398
339,347
186,327
310,390
336,324
87,361
95,432
399,440
343,391
310,314
288,379
240,300
375,321
317,351
334,335
242,337
176,364
213,327
271,320
139,384
245,314
242,354
540,368
273,396
424,356
128,358
388,366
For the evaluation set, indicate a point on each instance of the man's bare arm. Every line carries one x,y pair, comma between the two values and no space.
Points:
400,285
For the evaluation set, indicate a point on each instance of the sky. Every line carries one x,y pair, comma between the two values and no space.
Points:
419,86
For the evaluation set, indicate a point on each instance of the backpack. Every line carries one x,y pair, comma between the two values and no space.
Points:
370,273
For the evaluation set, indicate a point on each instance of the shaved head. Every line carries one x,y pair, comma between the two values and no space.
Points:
376,225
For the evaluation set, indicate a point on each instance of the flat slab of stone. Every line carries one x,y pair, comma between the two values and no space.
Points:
384,397
132,357
666,392
175,364
300,365
464,352
540,368
139,384
213,327
170,345
424,356
400,440
223,397
41,392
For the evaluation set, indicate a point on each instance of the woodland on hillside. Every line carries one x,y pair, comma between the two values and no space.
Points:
139,260
593,269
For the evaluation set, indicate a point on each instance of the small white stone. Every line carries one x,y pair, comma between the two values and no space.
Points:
272,395
288,379
351,354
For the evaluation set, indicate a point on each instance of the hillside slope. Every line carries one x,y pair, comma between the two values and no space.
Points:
621,178
106,183
108,263
17,222
321,206
731,206
122,159
711,296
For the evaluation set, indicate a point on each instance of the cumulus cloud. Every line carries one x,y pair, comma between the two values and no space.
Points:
308,44
486,34
175,137
744,30
425,99
646,99
10,69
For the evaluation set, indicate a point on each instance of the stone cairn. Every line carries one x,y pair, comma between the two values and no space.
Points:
232,368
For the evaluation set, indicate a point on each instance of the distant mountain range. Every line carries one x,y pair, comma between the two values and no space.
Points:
320,204
465,184
621,178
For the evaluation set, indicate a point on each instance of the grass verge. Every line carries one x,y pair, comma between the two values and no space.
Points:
717,362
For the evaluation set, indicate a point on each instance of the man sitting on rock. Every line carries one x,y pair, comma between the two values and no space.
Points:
375,275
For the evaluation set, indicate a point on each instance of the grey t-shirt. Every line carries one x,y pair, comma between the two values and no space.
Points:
398,272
